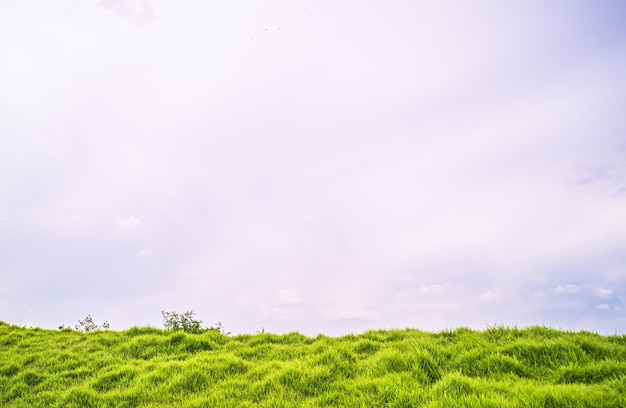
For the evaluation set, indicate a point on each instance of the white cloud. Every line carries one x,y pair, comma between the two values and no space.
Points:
286,305
431,289
489,296
287,298
604,293
128,225
137,11
244,301
603,306
584,290
566,289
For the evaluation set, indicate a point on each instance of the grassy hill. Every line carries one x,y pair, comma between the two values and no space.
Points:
148,367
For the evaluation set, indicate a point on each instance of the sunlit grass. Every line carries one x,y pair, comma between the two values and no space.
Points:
148,367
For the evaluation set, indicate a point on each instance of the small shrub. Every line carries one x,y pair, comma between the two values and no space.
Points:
87,325
186,322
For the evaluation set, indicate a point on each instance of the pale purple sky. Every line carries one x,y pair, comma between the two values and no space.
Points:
317,166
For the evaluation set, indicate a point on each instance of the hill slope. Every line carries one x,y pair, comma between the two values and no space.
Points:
147,367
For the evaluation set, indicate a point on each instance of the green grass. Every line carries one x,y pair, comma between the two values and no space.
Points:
147,367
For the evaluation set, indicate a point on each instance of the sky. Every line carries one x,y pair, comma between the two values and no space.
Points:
314,166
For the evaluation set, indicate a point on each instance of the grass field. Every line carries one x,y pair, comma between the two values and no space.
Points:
148,367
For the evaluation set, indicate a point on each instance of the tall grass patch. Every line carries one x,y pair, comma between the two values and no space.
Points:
148,367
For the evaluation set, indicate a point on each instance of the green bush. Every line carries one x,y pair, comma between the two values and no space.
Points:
87,325
187,323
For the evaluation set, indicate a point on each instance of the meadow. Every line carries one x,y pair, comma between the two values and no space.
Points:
149,367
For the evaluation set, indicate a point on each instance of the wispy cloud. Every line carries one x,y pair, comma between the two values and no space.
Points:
489,296
571,288
128,226
431,289
137,11
592,174
604,293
